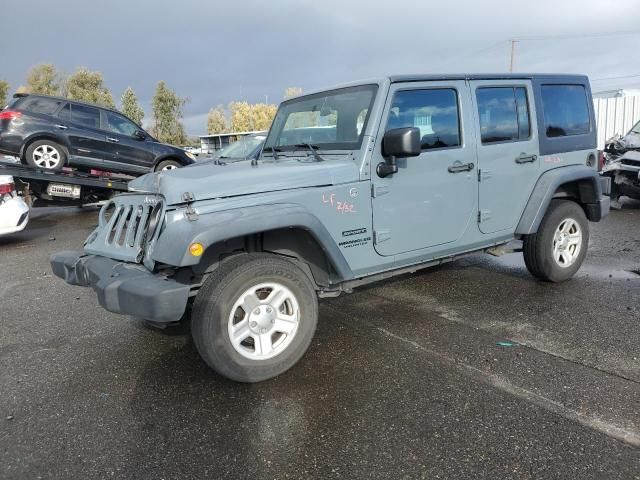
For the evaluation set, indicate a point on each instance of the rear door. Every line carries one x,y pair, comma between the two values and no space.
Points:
508,151
133,154
89,146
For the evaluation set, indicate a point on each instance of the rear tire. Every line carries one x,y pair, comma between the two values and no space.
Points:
167,165
254,317
45,154
556,251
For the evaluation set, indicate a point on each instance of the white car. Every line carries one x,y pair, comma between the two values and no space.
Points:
14,212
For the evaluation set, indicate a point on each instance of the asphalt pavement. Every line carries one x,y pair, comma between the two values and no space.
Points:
470,370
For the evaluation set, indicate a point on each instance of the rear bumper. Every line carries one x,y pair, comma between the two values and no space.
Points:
124,288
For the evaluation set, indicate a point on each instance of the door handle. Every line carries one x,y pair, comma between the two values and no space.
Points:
459,167
524,158
112,139
62,127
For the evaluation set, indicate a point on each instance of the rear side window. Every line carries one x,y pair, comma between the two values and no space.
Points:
47,106
503,113
566,111
86,116
434,111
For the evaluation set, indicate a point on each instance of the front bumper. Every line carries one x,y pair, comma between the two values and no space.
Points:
124,288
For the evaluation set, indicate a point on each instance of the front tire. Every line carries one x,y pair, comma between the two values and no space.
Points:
45,154
168,165
254,317
556,251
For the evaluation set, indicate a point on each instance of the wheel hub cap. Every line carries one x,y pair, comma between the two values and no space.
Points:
263,321
567,242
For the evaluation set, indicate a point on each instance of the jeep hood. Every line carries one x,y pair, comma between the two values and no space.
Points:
207,181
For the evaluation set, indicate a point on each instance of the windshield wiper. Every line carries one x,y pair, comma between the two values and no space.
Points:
275,151
313,149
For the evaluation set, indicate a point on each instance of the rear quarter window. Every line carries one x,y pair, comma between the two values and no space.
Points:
47,106
566,112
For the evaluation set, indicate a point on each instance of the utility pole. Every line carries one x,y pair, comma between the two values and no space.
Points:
513,54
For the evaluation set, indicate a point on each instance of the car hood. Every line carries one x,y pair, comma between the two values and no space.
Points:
207,181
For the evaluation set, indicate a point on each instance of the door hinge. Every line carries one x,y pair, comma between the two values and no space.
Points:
378,190
484,215
483,174
380,236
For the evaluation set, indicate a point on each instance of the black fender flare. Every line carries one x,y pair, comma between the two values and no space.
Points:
547,186
172,246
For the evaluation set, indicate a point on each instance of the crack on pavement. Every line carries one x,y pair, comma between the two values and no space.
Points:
630,437
515,333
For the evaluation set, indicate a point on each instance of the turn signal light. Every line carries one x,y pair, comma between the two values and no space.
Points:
196,249
10,115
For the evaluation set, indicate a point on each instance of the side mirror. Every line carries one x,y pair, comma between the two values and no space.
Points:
139,135
399,142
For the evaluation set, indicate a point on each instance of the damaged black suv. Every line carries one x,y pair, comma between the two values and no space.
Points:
50,133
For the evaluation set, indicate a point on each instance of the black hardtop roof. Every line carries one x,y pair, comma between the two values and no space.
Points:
487,76
88,104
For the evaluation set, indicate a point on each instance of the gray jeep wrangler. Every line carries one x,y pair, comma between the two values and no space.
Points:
354,185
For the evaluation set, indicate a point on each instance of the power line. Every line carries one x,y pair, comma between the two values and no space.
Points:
577,35
615,78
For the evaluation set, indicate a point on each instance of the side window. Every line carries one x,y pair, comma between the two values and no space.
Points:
566,111
118,124
434,111
48,106
86,116
503,113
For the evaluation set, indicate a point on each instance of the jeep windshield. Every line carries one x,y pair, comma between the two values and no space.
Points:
332,120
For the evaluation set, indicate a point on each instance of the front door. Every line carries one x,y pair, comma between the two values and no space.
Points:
132,154
432,200
508,152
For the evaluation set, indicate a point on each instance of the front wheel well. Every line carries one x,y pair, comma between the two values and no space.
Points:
163,159
295,243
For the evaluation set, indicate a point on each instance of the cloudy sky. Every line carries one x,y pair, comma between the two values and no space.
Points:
217,51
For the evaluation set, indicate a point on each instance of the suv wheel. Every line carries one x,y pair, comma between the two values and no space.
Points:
45,154
556,251
168,165
254,317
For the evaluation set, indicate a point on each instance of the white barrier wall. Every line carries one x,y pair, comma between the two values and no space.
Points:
615,114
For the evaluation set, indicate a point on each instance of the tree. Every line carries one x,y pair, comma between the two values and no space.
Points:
263,114
87,86
246,117
43,79
217,120
291,92
241,120
167,115
130,106
4,91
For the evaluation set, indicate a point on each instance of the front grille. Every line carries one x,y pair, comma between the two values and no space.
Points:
124,227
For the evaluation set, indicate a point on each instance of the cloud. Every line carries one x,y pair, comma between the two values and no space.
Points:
215,52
